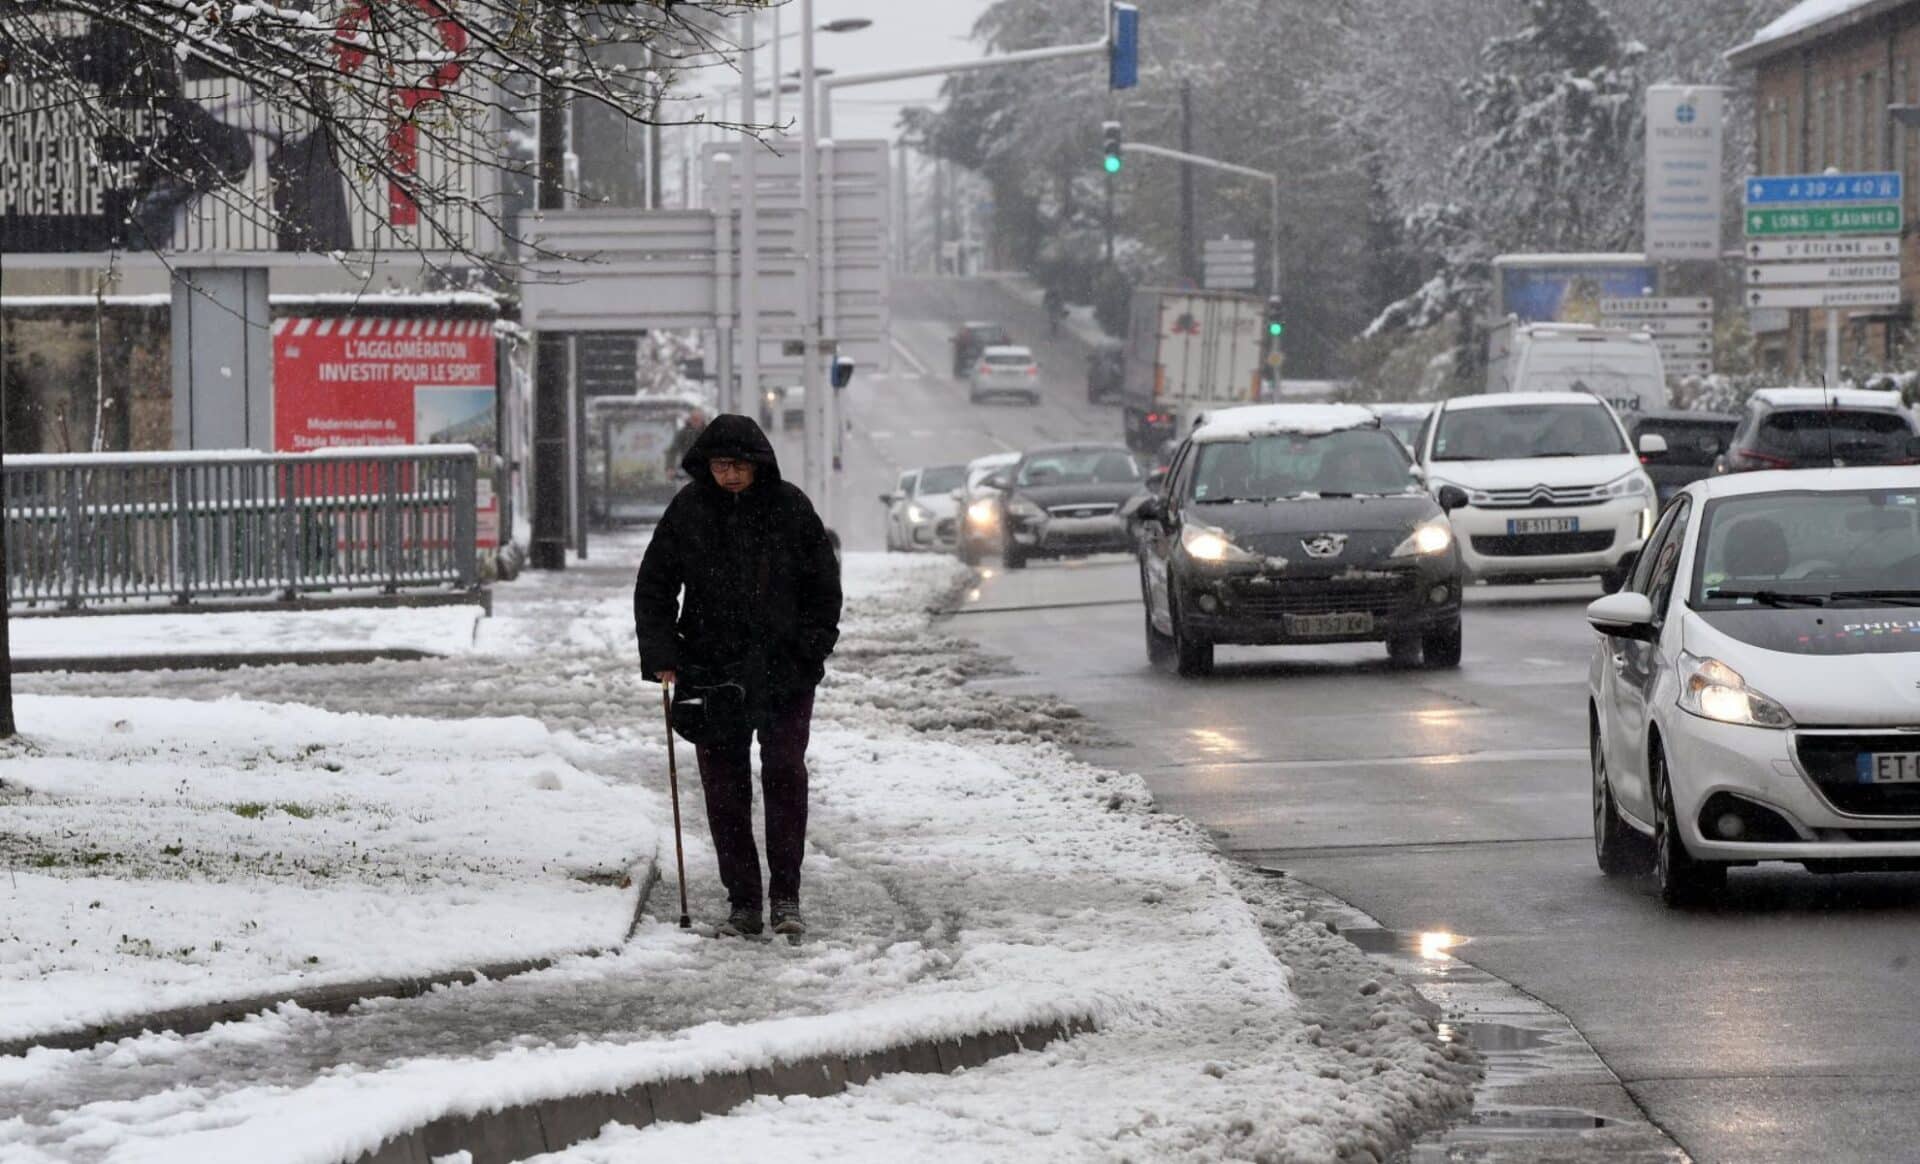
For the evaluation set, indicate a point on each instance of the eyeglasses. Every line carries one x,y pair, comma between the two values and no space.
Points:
728,467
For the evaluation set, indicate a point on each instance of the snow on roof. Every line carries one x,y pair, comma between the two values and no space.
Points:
993,461
1802,17
1822,398
1255,420
1006,350
1519,399
1399,408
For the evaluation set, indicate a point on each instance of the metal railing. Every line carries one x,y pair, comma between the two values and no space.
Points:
83,530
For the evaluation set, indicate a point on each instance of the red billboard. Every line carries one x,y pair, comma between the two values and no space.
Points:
354,383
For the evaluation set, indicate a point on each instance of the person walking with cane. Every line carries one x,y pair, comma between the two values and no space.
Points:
737,606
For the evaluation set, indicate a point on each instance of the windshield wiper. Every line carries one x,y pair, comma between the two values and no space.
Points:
1772,597
1896,597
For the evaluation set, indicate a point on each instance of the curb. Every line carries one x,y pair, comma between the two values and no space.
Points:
334,999
515,1133
220,660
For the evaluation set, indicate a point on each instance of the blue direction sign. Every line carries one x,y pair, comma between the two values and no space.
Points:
1808,189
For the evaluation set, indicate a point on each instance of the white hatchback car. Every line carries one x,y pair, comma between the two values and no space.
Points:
1553,488
1755,692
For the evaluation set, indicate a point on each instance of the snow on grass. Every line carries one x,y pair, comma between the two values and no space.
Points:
440,630
166,852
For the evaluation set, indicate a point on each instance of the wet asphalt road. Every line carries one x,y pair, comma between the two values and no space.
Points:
1782,1026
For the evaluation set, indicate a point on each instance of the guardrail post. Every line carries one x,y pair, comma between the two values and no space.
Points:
180,492
70,533
390,523
466,520
286,476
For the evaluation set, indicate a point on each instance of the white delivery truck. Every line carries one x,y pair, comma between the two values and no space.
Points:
1620,366
1187,352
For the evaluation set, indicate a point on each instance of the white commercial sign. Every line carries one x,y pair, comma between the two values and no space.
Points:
1790,273
1789,249
1683,198
1838,295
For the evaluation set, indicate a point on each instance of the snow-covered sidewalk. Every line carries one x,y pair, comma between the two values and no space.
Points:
966,874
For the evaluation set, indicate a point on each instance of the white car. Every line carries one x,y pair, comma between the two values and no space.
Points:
1007,370
1755,692
1553,489
923,511
980,507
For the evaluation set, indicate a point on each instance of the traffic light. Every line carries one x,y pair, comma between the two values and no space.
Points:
1110,133
1276,319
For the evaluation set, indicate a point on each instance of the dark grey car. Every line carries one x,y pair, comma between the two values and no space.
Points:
1319,535
1066,500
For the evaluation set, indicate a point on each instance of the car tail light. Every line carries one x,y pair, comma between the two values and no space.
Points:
985,369
1156,418
1033,369
1748,459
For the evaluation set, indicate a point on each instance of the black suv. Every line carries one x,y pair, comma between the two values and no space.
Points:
972,339
1297,524
1812,428
1695,441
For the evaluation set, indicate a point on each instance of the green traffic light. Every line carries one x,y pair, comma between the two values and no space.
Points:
1276,330
1113,163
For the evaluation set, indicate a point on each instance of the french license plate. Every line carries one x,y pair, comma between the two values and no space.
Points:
1330,625
1889,767
1542,525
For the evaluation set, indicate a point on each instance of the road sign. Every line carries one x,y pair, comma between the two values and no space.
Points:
1836,296
1683,159
1813,189
1634,306
1123,56
1684,345
1825,220
1230,282
1660,325
1790,273
1886,247
1689,367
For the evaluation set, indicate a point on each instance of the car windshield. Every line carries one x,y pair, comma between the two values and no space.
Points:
944,479
1009,359
1080,467
1520,431
1857,435
1810,549
1267,468
1404,427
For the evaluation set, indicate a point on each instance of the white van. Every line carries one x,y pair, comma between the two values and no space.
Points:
1621,367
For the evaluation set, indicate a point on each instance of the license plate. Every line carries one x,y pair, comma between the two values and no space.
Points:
1542,525
1330,625
1889,767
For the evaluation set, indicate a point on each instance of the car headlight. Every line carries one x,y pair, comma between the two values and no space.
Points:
1474,496
1204,543
1634,484
916,514
983,512
1712,690
1021,507
1427,539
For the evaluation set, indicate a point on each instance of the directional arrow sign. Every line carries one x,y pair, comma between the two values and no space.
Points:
1641,305
1825,220
1660,325
1805,189
1887,247
1789,273
1842,296
1689,367
1695,345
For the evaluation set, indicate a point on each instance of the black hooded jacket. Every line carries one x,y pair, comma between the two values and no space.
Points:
762,584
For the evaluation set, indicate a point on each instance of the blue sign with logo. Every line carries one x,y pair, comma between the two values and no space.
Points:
1808,189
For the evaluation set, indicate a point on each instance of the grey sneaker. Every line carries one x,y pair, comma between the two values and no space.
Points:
787,919
743,922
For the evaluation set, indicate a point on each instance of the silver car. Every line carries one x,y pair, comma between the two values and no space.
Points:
1005,371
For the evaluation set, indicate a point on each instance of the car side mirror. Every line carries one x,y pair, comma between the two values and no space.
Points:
1156,481
1151,508
1652,444
889,498
1001,482
1625,615
1453,497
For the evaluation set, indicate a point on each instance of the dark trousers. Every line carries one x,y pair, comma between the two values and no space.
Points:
726,775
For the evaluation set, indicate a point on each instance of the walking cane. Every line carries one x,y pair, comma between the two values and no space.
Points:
673,782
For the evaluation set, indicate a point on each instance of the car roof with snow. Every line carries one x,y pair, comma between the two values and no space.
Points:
1521,399
992,461
1807,481
1257,420
1007,350
1822,398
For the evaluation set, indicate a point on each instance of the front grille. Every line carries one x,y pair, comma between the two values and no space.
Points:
1076,511
1833,761
946,528
1544,496
1540,545
1384,598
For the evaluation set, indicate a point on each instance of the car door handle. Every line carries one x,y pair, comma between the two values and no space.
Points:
1619,660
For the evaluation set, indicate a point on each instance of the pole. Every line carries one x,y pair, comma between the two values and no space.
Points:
1273,243
1188,264
779,78
1109,220
732,396
814,435
1833,348
7,725
548,550
673,786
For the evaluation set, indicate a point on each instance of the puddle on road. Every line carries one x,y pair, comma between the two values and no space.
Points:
1494,1038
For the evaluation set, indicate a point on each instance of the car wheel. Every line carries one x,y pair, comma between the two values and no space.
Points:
1033,400
969,553
1442,646
1193,655
1159,646
1014,557
1620,850
1684,879
1404,650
